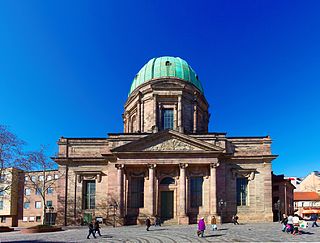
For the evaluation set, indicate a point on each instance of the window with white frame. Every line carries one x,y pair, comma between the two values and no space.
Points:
33,178
31,219
40,178
25,219
49,178
27,191
26,178
56,176
38,204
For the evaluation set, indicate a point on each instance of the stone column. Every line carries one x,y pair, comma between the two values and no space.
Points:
183,218
120,188
213,188
139,115
155,126
180,114
142,117
151,189
195,116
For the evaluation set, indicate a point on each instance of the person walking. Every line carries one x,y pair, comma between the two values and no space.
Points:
213,223
157,221
314,218
235,219
201,227
284,222
148,223
91,231
97,227
295,221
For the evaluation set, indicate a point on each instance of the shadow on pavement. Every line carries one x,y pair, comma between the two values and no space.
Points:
306,233
30,241
106,236
208,236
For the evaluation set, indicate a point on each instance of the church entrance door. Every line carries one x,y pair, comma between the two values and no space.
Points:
166,205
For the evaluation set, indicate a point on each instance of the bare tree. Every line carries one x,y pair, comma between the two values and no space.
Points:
10,154
39,164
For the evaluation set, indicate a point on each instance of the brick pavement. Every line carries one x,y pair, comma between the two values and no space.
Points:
270,232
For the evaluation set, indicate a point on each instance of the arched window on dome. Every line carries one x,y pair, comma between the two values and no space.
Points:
167,181
168,63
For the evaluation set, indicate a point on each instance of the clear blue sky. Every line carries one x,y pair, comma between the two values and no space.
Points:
66,67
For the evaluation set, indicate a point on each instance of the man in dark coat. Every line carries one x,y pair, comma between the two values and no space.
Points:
91,231
148,223
97,227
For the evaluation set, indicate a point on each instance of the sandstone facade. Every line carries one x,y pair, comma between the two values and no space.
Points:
180,174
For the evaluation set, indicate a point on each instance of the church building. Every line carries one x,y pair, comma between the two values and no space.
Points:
165,163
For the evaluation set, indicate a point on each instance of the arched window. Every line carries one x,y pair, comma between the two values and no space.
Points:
167,181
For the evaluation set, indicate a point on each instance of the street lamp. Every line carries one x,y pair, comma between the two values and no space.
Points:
222,204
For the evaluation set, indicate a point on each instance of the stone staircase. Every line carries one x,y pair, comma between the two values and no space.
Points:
170,222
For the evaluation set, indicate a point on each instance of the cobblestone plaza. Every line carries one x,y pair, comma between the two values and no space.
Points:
270,232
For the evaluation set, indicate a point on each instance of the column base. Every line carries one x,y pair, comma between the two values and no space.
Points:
183,220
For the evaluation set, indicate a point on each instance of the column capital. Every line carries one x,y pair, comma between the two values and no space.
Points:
214,165
119,166
152,166
183,166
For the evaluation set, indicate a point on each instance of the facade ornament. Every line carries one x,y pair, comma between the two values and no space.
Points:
246,173
215,164
172,145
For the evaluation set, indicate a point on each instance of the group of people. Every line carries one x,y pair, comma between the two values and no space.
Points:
157,222
93,229
202,224
293,223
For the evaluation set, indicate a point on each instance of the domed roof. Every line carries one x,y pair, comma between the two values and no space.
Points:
166,67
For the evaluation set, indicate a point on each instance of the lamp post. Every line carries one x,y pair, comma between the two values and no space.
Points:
222,204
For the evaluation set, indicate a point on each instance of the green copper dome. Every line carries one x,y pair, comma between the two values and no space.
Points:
166,67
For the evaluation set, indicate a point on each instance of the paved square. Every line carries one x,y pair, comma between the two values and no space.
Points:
270,232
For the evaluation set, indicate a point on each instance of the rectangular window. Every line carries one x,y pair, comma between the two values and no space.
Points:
31,219
26,178
40,178
56,176
3,219
27,191
2,178
38,191
89,194
49,178
1,191
1,205
49,204
37,204
26,205
196,191
38,218
242,187
49,190
167,119
137,192
25,219
33,178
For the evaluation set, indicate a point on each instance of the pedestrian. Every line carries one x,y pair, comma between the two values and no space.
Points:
91,231
157,221
97,227
289,226
284,222
314,218
214,223
295,221
148,223
235,219
201,227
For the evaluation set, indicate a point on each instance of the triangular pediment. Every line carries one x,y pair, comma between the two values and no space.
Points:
168,141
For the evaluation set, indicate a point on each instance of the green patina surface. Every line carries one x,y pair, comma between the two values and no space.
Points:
166,67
